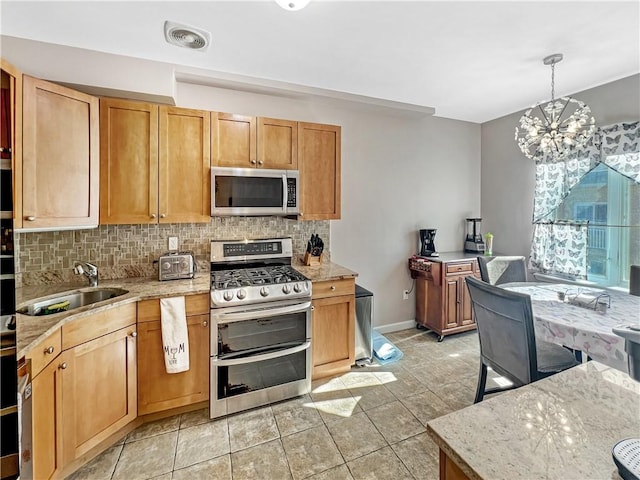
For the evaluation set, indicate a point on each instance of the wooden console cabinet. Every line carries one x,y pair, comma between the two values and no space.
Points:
443,304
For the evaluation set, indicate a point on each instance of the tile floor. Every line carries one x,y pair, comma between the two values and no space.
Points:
366,424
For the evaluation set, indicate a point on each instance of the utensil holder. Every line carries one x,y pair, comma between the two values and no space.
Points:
310,260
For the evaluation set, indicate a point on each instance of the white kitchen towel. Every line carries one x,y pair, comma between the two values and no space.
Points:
175,338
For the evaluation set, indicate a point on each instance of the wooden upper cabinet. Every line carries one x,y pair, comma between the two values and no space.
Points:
184,193
155,163
128,162
12,132
277,144
250,142
233,140
319,149
60,163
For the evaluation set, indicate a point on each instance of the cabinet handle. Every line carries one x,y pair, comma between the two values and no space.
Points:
205,323
63,366
134,334
333,288
49,350
313,308
253,162
163,215
260,162
153,215
31,218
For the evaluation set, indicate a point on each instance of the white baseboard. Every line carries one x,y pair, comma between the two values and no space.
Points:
394,327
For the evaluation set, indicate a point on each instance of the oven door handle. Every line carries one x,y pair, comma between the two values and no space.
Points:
259,358
227,317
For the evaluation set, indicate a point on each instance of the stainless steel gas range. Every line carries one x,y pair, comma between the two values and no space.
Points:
260,325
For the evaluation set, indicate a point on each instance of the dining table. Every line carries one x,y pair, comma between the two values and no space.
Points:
582,318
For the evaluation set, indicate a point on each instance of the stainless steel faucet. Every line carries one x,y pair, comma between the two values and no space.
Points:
87,269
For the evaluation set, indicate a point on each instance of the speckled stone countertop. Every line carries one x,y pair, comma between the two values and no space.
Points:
30,330
561,427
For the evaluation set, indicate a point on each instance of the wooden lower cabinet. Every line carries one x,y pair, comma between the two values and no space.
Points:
157,389
333,327
98,390
449,470
85,394
46,421
443,304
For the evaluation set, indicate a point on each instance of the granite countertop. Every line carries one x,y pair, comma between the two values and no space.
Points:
30,330
561,427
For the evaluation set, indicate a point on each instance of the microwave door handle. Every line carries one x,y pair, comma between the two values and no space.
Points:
259,358
261,313
284,193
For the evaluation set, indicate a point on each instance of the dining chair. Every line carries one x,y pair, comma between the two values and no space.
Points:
502,269
507,339
634,280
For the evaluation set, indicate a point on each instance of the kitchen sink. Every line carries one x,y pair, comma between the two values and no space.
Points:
70,301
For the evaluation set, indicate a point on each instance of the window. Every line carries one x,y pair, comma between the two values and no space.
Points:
610,202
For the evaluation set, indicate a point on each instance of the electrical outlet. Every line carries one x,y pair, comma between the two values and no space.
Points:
405,294
173,243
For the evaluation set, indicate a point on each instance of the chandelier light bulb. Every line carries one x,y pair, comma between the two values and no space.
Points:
293,5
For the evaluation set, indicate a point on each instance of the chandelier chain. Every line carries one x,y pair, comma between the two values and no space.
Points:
553,80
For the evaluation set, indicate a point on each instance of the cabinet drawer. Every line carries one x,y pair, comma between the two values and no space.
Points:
329,288
44,352
149,310
87,328
460,267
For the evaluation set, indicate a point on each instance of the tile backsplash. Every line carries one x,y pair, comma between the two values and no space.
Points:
122,251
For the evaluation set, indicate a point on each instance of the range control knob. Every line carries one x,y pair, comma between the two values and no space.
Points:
242,293
297,288
286,289
166,266
264,291
228,295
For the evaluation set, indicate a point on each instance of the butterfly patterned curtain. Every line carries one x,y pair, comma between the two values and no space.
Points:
560,248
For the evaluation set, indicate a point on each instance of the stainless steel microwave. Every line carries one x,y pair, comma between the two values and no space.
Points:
254,191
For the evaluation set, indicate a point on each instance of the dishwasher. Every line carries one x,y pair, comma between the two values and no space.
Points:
364,326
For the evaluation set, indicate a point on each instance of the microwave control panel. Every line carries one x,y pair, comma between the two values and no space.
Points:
291,192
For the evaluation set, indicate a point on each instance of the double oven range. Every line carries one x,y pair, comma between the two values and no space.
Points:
260,325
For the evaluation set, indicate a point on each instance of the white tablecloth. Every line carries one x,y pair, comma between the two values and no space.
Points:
581,328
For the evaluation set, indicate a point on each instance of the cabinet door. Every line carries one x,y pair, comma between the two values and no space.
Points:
128,162
233,140
184,167
451,302
60,163
319,164
333,335
13,78
46,406
98,390
466,310
277,144
159,390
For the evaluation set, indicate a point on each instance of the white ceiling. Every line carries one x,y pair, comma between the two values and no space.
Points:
472,60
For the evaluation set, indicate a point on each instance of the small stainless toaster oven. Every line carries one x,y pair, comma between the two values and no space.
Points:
176,265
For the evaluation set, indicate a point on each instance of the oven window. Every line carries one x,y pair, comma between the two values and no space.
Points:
238,379
233,191
253,337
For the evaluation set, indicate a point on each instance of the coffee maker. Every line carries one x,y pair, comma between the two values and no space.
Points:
427,244
473,242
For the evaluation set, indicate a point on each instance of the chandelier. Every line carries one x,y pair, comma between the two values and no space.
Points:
562,124
293,5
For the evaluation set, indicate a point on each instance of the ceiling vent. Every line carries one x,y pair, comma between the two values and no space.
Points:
186,36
